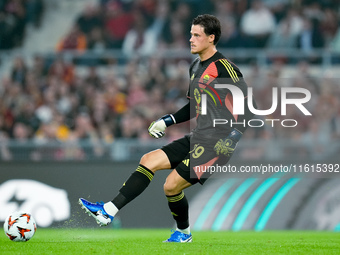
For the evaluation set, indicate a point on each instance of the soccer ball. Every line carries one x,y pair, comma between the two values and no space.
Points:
20,226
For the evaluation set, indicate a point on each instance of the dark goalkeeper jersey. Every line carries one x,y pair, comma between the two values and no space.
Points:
212,106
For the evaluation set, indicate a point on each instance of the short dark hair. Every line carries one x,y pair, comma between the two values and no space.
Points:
211,25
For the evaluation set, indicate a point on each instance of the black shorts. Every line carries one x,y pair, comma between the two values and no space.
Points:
191,158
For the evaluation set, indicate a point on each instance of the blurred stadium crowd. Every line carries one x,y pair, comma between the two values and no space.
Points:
50,101
142,26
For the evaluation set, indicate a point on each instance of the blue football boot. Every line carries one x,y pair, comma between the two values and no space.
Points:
179,237
96,210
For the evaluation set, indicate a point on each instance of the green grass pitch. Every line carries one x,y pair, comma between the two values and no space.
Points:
149,241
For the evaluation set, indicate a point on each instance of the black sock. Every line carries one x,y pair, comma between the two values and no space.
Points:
134,186
179,208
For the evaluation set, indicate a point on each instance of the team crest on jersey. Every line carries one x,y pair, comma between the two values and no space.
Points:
206,78
192,76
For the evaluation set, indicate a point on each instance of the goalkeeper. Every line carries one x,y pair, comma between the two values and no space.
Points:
206,145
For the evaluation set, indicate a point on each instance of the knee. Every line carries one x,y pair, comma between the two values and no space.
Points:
150,161
171,188
155,160
145,159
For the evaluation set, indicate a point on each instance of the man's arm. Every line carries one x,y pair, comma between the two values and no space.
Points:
158,127
184,114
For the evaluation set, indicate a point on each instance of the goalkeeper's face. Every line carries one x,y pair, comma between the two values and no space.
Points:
199,41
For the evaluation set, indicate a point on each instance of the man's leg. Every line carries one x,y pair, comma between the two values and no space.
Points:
178,204
141,178
133,187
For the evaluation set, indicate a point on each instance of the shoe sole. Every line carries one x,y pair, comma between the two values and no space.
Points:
91,214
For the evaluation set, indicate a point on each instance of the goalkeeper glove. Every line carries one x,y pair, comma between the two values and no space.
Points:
226,147
157,128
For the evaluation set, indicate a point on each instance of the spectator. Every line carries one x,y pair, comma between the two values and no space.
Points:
173,34
257,24
329,25
23,148
285,35
88,135
74,40
45,111
136,92
15,15
61,70
6,31
131,125
310,37
19,70
35,9
156,74
93,77
27,116
312,10
115,99
230,36
17,10
225,9
39,68
97,42
282,38
141,40
89,19
175,38
117,23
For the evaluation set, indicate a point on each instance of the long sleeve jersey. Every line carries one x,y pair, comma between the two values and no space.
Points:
208,103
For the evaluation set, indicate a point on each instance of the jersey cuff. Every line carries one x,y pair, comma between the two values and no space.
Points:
173,118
